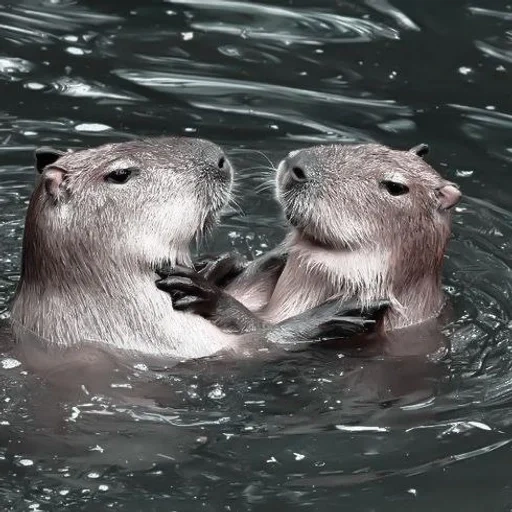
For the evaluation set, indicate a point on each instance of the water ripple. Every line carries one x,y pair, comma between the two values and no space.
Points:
504,15
387,9
191,86
11,67
78,88
287,26
25,25
504,54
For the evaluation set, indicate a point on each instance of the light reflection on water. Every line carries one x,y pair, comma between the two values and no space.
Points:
311,430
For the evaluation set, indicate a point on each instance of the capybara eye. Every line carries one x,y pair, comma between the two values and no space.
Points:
394,188
120,176
221,163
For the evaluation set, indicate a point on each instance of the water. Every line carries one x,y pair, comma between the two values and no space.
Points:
315,431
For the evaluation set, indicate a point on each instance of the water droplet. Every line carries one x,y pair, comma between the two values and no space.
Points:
216,393
92,127
93,474
124,385
103,487
34,86
75,412
187,36
73,50
464,70
299,456
9,363
11,65
26,462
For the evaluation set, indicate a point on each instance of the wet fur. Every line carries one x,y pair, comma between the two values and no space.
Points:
349,236
87,268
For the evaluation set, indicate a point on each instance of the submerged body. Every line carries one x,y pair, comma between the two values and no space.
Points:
99,224
366,221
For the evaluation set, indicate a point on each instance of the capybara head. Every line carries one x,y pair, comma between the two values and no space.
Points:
142,201
367,197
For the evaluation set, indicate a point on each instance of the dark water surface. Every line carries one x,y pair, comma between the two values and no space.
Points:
315,431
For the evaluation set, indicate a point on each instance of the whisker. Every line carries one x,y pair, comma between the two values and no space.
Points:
257,151
248,174
264,186
236,206
265,171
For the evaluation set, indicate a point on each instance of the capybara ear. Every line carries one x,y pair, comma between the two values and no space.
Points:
448,195
45,156
420,149
54,179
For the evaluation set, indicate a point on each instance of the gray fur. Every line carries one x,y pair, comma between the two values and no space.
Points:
89,251
350,236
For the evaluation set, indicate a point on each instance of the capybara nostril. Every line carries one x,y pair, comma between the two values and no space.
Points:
298,173
299,166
